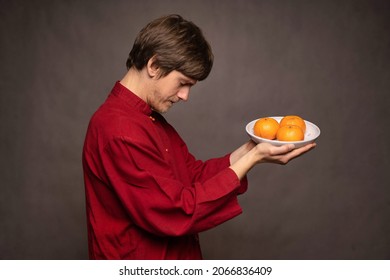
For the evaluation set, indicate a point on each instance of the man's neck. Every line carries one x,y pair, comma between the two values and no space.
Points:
136,82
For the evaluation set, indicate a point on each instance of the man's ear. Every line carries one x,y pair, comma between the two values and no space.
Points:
152,68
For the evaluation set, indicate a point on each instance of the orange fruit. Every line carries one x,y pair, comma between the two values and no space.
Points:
294,120
290,133
266,128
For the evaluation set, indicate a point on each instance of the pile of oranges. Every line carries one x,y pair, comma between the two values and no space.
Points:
290,128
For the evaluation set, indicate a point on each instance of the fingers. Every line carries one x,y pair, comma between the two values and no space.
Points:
282,154
305,148
283,149
271,150
299,152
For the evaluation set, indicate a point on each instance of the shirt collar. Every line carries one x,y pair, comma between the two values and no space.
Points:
130,98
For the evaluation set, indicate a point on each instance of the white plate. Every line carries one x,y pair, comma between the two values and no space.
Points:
311,134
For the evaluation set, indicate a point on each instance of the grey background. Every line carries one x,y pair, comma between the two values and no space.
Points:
327,61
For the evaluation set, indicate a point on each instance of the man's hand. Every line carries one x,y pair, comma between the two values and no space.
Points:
244,158
280,155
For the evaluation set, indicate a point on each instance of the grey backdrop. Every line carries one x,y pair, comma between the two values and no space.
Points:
327,61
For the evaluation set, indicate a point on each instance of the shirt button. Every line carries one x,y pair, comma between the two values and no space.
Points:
166,150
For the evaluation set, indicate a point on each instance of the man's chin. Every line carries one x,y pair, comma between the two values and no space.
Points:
161,110
163,107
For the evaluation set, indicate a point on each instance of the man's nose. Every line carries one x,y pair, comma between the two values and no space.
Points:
184,93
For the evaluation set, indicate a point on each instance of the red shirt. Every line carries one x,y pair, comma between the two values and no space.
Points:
147,197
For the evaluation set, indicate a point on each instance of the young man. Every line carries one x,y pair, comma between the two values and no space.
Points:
147,197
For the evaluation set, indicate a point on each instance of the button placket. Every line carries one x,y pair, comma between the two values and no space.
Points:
163,138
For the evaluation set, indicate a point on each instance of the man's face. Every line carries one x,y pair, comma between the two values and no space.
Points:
168,90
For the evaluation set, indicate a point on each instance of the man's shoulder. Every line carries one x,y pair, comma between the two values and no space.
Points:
110,112
115,120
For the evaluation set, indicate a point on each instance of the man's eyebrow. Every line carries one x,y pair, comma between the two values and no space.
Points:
189,81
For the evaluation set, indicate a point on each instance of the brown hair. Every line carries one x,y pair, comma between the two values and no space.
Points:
177,44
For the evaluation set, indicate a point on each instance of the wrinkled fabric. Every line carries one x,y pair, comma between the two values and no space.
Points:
147,197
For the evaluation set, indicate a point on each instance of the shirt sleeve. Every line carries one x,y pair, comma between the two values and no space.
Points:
202,171
157,202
